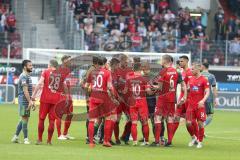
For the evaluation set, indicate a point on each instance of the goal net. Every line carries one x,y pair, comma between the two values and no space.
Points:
83,59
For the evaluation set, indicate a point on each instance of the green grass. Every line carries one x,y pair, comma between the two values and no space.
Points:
223,142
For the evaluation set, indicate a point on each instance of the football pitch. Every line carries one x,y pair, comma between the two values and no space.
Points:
223,142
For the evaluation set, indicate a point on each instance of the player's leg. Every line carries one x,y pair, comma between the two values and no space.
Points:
201,117
58,126
116,125
143,112
108,130
25,129
191,126
67,124
43,111
91,131
170,111
100,132
127,128
15,138
158,117
51,118
22,110
209,111
87,123
134,117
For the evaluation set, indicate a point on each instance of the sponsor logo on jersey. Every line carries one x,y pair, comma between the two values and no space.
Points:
195,88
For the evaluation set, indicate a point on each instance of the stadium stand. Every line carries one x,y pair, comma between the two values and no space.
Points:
8,32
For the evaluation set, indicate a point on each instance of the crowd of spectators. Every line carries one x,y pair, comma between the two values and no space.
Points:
229,29
139,21
8,33
151,25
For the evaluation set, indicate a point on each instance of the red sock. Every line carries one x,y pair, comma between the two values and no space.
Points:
66,127
58,126
190,129
201,134
195,128
134,131
158,127
107,130
170,130
127,129
146,132
91,131
50,130
116,131
40,129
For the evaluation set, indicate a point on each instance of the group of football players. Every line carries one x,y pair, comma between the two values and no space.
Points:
114,87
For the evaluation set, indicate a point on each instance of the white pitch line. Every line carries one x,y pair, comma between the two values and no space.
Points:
232,139
220,132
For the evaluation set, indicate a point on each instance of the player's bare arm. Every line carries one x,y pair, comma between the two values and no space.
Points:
38,87
206,94
157,86
184,89
111,91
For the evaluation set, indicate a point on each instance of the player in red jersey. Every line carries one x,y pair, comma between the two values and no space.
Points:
100,103
137,86
123,107
182,108
64,87
165,108
48,98
198,91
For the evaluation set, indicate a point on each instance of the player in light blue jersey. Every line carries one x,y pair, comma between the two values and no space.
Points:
211,101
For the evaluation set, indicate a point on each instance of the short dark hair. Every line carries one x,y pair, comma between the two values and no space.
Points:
185,57
95,60
206,65
53,63
25,62
136,59
65,57
114,61
100,61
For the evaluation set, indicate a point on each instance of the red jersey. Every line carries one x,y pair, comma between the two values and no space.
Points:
52,79
186,75
64,72
137,85
169,78
99,80
197,90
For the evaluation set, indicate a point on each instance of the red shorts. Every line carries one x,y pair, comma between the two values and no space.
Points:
140,109
181,110
100,105
165,109
123,108
47,109
195,113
